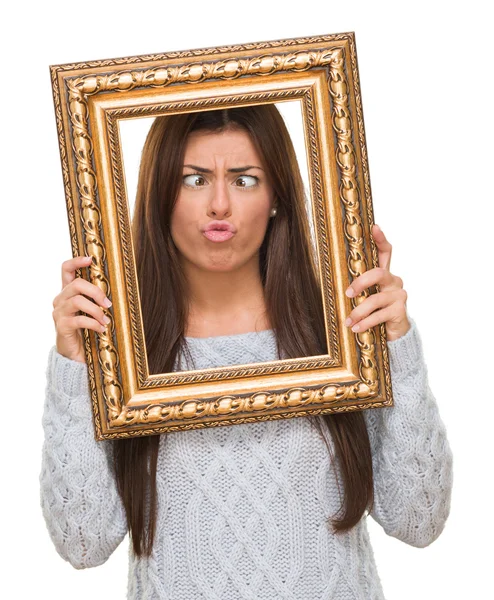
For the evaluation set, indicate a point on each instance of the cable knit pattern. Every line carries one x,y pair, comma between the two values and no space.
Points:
243,509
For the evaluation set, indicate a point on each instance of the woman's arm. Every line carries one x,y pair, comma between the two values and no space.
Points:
412,459
79,499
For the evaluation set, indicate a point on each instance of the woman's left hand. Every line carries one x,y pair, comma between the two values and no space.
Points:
389,304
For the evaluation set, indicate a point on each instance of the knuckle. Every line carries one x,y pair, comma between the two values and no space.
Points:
96,293
376,298
65,267
78,301
99,293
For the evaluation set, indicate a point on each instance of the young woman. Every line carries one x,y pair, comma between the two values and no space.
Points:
273,509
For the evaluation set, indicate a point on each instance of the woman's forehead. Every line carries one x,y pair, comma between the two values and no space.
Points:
231,146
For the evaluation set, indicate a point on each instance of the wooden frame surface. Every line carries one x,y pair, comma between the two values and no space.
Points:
90,98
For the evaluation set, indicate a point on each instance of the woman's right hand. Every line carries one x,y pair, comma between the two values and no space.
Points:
71,300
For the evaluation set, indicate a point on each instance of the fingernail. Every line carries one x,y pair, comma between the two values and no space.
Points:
377,226
350,292
348,322
107,302
106,319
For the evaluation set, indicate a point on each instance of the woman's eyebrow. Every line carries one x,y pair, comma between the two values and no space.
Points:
233,170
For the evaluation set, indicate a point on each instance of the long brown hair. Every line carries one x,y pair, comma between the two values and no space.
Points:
292,295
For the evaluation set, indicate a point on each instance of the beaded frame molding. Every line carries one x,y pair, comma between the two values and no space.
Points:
90,97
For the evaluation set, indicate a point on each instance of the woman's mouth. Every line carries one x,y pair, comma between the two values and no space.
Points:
217,235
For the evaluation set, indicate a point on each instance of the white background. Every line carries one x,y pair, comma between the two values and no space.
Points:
425,73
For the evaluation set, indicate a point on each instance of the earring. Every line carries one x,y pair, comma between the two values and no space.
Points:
273,212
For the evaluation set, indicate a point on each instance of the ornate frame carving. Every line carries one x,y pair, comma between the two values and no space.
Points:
89,99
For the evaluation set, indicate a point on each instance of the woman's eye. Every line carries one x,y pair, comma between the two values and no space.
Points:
193,180
196,180
254,180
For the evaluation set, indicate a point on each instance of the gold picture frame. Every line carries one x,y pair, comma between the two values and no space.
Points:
90,98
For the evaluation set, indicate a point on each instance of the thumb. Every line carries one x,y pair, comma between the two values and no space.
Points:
384,248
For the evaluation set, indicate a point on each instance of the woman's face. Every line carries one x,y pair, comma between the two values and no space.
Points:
224,183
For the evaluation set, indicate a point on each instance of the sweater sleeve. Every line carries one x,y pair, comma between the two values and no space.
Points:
412,459
80,503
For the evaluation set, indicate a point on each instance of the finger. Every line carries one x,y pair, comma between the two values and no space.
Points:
68,325
376,275
80,303
379,316
384,248
70,266
81,286
369,305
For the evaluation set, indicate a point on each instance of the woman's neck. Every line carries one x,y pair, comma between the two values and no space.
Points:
226,303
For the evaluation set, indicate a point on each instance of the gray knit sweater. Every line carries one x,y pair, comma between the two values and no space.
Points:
243,509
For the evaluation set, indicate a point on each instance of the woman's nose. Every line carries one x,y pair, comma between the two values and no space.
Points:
220,201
